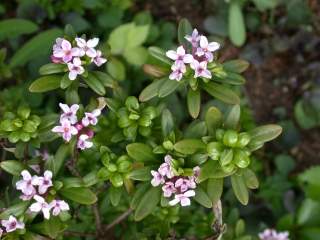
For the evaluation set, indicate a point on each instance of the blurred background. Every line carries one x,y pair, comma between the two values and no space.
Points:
280,39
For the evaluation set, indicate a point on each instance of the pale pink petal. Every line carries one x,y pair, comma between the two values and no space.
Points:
57,129
81,42
213,46
181,51
174,201
93,42
65,45
72,75
188,58
172,55
203,42
185,202
35,207
189,193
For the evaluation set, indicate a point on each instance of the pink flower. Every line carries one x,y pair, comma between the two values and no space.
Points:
179,56
66,130
271,234
207,48
91,118
183,184
165,168
27,197
87,47
58,206
83,142
40,206
12,224
35,167
168,189
63,50
194,38
26,185
177,71
183,198
157,179
75,68
200,69
69,113
98,59
44,182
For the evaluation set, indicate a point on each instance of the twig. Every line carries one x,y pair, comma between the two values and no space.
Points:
119,219
218,226
78,234
97,218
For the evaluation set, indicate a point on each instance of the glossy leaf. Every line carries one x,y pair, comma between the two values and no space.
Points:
202,198
15,210
151,90
12,166
250,179
11,28
194,102
138,195
240,189
141,174
214,189
237,29
45,83
79,194
222,93
265,133
168,87
212,169
159,54
213,119
140,152
148,203
52,68
167,122
236,66
184,29
233,117
95,84
189,146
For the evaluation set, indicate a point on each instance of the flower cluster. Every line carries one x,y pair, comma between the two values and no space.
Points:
70,126
181,187
33,187
11,225
201,55
271,234
64,52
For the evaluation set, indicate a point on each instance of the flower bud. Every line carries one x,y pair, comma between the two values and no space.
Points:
230,138
132,103
134,116
17,123
112,167
243,140
116,180
241,159
78,126
214,150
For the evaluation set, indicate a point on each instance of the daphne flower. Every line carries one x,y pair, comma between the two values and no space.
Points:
87,47
183,184
165,168
63,50
271,234
40,206
26,185
75,68
25,197
157,179
183,198
200,69
12,224
69,113
194,38
83,142
180,57
58,206
177,71
91,118
98,59
207,48
66,130
44,182
168,189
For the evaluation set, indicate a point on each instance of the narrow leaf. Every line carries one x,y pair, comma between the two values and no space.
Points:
45,83
168,87
151,90
236,66
202,198
159,54
215,189
184,29
11,28
240,189
148,203
12,166
194,102
222,93
233,117
213,119
95,84
265,133
189,146
140,152
80,195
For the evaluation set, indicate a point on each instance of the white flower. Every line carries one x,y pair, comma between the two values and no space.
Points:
207,48
87,47
58,206
66,130
91,118
69,113
83,142
179,56
271,234
44,182
194,38
200,69
26,185
178,69
98,59
157,178
75,68
40,206
12,224
183,198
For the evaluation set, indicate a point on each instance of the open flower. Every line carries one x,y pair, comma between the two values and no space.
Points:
66,130
64,50
58,206
183,184
271,234
12,224
69,113
87,47
40,206
183,198
44,182
75,68
194,38
157,178
179,56
168,189
83,142
207,48
165,168
177,71
98,59
91,118
26,185
200,69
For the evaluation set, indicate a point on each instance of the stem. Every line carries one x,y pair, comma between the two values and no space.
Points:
78,234
119,219
97,218
218,226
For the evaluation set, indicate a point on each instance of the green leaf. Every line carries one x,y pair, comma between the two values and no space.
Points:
95,84
311,176
136,56
52,227
116,69
118,38
12,166
36,47
237,31
15,210
52,68
250,179
138,195
184,29
137,36
55,163
212,169
202,198
240,189
306,213
265,133
115,195
45,83
240,228
167,123
140,152
194,102
168,87
151,90
215,189
159,54
11,28
236,66
231,78
189,146
105,79
140,174
79,194
213,119
222,93
65,81
233,117
148,203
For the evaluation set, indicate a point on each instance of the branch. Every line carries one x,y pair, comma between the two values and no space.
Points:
118,219
97,218
218,226
78,234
